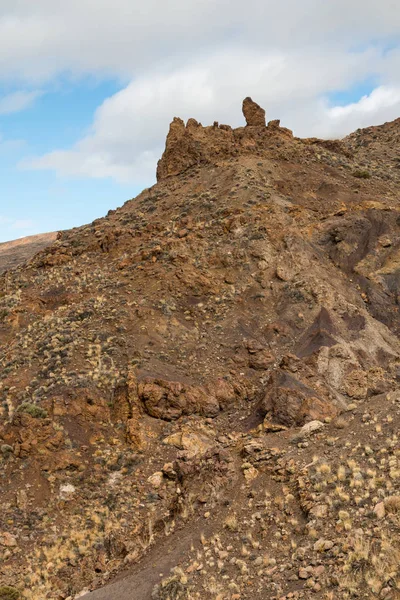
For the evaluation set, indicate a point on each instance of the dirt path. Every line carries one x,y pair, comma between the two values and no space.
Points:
139,581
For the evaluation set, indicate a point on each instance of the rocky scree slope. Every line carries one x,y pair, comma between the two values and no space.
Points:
201,391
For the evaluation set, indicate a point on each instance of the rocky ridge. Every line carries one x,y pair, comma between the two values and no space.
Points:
200,392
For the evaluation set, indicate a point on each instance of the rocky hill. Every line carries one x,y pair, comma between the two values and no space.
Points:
201,391
19,251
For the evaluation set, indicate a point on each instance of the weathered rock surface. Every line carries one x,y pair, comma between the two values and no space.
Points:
170,400
290,402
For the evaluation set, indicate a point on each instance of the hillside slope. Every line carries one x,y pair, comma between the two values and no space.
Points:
201,391
19,251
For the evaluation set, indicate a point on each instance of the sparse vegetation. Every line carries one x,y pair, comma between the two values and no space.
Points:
31,409
9,593
361,174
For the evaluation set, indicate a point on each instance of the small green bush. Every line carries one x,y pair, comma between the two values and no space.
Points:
9,593
34,411
362,174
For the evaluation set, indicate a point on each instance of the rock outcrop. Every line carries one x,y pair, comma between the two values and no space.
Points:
253,113
194,145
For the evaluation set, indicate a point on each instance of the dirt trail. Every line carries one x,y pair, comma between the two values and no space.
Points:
138,582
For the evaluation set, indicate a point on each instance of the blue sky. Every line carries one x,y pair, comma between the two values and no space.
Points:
35,201
87,91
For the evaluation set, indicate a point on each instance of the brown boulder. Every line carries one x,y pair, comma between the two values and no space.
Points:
253,113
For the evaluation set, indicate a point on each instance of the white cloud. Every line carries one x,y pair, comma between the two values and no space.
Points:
17,101
129,129
10,147
382,104
42,38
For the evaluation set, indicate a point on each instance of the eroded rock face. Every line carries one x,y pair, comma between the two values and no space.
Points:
192,145
253,113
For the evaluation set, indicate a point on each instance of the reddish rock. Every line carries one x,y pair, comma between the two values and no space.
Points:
261,361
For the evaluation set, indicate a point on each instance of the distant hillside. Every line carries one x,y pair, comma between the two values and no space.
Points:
19,251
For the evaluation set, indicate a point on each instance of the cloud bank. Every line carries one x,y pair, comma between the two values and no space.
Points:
200,58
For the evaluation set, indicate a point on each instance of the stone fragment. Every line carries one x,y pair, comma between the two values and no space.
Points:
322,545
261,361
8,540
274,124
273,427
250,473
22,499
194,444
66,491
379,510
156,479
305,572
308,429
319,511
169,471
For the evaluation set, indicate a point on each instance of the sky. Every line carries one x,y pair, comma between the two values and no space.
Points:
88,88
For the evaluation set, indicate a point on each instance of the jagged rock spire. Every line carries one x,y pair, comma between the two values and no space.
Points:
253,113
